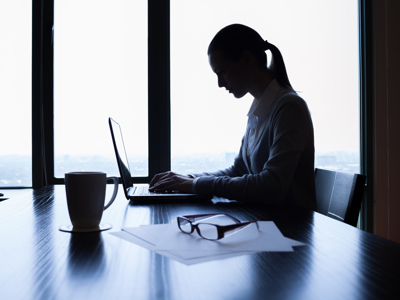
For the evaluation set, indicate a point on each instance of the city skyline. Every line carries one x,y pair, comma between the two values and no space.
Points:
15,170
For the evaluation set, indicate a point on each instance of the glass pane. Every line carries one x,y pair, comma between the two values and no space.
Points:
16,93
208,231
319,43
100,71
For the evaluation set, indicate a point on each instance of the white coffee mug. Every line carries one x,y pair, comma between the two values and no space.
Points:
86,193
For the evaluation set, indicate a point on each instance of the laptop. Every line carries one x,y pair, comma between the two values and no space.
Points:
140,193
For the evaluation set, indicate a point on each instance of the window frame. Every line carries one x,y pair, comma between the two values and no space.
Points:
159,111
366,109
42,93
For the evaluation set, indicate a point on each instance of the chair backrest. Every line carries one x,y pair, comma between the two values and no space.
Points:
339,194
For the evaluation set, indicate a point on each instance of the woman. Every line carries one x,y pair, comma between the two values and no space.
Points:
275,164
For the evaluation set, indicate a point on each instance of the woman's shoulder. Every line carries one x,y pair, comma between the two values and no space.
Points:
292,106
290,97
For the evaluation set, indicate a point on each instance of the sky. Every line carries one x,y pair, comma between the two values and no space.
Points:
101,71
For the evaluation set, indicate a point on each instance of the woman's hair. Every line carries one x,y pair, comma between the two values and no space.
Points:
234,39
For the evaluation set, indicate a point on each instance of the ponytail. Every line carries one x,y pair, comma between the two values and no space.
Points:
277,66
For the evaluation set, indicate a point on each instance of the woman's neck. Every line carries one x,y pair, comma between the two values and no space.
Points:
260,81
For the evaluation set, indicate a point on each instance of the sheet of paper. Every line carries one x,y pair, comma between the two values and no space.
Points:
143,234
153,233
168,240
267,238
187,261
295,243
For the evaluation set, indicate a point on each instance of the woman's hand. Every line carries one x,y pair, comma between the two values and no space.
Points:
170,181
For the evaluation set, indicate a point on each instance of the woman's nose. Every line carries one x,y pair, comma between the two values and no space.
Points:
221,82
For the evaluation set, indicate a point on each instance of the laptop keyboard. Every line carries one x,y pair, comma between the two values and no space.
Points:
144,190
141,190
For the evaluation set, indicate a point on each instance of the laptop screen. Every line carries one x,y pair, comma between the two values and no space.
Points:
120,153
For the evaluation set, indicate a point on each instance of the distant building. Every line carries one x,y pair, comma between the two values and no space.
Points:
325,160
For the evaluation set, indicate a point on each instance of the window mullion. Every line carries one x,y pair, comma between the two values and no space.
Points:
42,93
159,86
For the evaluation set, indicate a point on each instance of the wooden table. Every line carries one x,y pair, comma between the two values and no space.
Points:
37,261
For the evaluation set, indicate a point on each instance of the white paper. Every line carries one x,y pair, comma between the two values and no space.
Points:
168,240
187,261
153,233
268,238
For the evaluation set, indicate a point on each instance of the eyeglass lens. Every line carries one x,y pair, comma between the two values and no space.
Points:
208,231
185,225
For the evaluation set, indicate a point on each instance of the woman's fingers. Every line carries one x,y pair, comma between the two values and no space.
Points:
159,177
172,181
163,184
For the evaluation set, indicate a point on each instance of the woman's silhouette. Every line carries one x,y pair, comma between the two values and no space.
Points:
275,164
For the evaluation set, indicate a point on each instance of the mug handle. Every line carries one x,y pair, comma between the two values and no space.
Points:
116,182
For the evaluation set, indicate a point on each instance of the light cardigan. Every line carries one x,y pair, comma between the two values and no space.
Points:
280,167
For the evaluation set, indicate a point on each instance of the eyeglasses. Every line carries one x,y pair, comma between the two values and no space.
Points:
210,231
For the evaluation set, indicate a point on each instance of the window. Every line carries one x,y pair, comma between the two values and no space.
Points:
100,71
113,59
321,56
15,93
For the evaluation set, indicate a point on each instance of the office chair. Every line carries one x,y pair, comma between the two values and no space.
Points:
339,195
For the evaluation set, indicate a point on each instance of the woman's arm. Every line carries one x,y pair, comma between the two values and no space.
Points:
284,158
184,183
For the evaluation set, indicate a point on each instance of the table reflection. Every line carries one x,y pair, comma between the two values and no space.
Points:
86,256
44,243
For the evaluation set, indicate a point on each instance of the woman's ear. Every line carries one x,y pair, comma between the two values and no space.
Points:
248,58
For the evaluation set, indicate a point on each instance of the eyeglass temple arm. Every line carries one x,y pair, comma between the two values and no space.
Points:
205,216
231,229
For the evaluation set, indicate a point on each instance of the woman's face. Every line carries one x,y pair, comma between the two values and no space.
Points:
231,75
